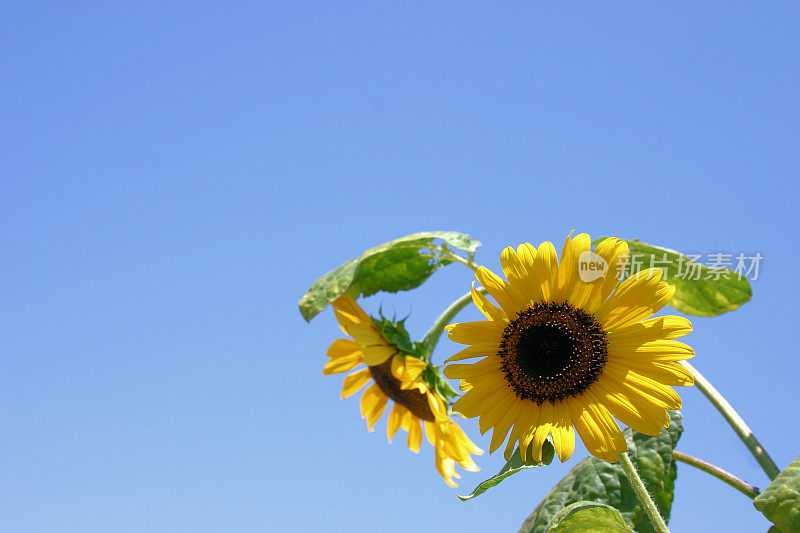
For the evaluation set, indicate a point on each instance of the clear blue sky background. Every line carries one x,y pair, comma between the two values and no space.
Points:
175,175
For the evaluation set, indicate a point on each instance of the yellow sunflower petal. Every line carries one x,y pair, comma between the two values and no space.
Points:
637,298
414,434
348,305
397,368
503,425
513,268
437,406
653,351
617,257
546,270
477,350
484,331
454,433
568,280
472,402
430,432
445,467
613,434
511,445
376,355
353,382
597,429
475,400
373,402
642,416
668,373
414,367
526,253
517,276
523,431
363,334
499,290
563,435
652,329
542,430
615,253
491,311
342,348
636,385
491,380
471,371
342,364
395,417
491,416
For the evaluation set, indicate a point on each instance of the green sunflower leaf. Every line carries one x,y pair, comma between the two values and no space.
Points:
699,290
603,483
588,517
514,465
780,502
399,265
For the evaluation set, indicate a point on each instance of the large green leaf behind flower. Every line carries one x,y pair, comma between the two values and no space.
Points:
780,502
588,517
398,265
600,482
699,290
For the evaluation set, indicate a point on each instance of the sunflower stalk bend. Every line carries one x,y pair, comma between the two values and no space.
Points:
431,338
641,492
742,486
735,421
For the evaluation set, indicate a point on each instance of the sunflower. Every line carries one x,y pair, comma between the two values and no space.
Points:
397,375
562,355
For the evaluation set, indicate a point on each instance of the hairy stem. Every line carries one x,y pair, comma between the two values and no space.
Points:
432,337
735,421
641,492
742,486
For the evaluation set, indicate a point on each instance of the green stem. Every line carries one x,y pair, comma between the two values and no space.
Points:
641,492
735,421
742,486
432,337
454,256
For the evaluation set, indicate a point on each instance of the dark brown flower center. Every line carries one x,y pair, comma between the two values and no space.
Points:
552,351
411,399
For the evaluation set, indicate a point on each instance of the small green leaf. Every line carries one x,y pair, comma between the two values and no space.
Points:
780,502
600,482
588,517
398,265
699,290
514,465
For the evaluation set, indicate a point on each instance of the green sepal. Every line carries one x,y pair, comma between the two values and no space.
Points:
395,332
443,388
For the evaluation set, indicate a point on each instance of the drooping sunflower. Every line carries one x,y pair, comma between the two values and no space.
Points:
397,376
561,354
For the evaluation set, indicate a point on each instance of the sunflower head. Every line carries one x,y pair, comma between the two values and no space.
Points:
560,354
398,372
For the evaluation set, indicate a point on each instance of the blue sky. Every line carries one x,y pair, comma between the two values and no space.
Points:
176,175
